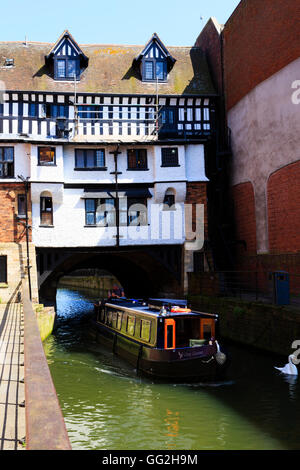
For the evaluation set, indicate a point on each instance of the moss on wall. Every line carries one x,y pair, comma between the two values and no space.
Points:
45,318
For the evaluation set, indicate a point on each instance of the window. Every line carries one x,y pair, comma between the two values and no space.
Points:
169,157
3,269
167,119
21,205
6,162
131,324
133,211
90,112
119,320
66,68
33,110
100,212
137,159
55,110
154,69
46,210
145,330
89,159
169,199
46,156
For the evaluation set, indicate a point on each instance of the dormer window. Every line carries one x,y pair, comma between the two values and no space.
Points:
154,62
66,68
154,69
66,59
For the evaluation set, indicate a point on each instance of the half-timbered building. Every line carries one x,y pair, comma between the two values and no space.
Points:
109,144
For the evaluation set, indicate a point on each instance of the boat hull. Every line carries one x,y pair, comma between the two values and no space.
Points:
180,363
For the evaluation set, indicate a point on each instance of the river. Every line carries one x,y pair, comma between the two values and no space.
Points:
107,406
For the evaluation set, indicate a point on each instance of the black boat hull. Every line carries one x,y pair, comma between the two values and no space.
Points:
177,364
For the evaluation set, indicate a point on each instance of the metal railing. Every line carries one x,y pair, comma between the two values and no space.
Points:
258,286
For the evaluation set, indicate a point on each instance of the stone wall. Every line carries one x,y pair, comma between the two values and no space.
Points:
16,254
267,327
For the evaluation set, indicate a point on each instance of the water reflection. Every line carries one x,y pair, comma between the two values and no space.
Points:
107,406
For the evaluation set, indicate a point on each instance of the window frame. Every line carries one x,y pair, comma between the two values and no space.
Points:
87,168
137,167
52,149
3,269
168,164
154,62
11,164
42,223
66,59
19,212
126,211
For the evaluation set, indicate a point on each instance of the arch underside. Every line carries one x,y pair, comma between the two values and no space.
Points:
142,272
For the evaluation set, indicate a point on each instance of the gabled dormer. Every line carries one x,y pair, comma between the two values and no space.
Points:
155,61
66,59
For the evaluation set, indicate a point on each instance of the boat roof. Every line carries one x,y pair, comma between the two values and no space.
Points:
141,306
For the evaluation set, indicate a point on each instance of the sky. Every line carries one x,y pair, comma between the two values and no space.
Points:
177,22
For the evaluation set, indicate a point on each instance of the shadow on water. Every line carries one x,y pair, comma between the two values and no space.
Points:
107,405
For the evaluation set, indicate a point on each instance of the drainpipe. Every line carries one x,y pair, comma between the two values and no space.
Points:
116,173
26,187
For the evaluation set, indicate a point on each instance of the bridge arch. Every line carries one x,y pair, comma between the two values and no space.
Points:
142,272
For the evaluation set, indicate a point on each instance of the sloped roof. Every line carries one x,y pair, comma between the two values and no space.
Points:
110,70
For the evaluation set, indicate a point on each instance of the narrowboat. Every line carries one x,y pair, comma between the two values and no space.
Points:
161,338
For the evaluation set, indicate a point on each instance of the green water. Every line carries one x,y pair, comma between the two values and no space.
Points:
107,406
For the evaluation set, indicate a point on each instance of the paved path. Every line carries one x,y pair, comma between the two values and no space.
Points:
12,415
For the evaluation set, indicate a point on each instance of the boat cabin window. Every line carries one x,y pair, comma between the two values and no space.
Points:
186,329
207,328
114,320
119,320
102,314
170,341
145,330
109,318
130,324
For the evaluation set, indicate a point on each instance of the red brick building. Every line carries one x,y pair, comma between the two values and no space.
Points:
254,59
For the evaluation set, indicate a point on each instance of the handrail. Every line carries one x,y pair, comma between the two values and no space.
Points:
45,426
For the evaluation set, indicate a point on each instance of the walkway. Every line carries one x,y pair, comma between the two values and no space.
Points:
12,394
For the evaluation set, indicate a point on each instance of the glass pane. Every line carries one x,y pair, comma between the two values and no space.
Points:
119,321
21,204
149,70
100,158
90,205
159,70
90,159
131,159
90,219
71,68
79,159
9,154
141,158
46,155
61,111
61,68
32,109
130,325
145,330
1,170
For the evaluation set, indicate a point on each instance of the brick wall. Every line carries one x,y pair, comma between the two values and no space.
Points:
260,38
196,193
209,41
284,209
11,228
245,222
